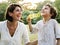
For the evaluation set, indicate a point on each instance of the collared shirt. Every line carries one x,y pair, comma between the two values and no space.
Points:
20,34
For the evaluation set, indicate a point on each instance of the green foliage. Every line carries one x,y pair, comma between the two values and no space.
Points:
39,7
14,1
2,10
57,4
24,15
37,18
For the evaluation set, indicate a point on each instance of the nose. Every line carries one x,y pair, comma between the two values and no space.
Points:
42,10
20,12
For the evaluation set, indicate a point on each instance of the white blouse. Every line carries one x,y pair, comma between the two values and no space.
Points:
20,34
48,32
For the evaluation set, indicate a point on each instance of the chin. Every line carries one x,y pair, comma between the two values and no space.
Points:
18,20
43,14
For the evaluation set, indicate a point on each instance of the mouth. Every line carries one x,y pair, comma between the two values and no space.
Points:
18,15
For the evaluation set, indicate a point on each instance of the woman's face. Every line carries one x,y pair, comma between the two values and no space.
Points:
45,11
17,14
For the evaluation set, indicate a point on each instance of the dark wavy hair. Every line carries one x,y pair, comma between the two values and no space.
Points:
11,8
53,11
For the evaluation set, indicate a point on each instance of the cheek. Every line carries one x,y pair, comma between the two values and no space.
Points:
47,11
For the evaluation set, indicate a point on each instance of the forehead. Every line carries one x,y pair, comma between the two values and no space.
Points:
17,8
46,7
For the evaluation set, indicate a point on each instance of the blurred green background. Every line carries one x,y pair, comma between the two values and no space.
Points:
30,9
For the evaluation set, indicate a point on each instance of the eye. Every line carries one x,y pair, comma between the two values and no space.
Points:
17,10
45,8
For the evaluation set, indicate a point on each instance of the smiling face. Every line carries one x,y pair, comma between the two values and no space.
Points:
16,14
45,12
48,11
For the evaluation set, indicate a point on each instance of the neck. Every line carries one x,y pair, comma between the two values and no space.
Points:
46,19
12,23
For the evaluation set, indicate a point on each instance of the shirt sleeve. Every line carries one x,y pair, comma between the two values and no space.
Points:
25,35
35,28
57,30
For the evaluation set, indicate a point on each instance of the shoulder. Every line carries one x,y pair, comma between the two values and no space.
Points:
21,24
54,21
39,22
2,23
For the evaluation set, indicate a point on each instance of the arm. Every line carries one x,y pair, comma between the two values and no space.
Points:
57,32
33,29
58,41
29,24
25,35
33,43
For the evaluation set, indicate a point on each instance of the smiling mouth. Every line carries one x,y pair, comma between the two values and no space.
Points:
18,15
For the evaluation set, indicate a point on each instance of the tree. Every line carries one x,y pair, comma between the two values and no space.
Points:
2,10
14,1
24,15
57,4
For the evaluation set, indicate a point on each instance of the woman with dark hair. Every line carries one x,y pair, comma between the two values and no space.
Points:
47,28
12,31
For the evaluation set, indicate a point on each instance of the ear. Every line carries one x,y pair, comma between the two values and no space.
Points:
10,14
52,14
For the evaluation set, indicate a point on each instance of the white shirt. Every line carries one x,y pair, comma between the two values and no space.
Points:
19,35
48,32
